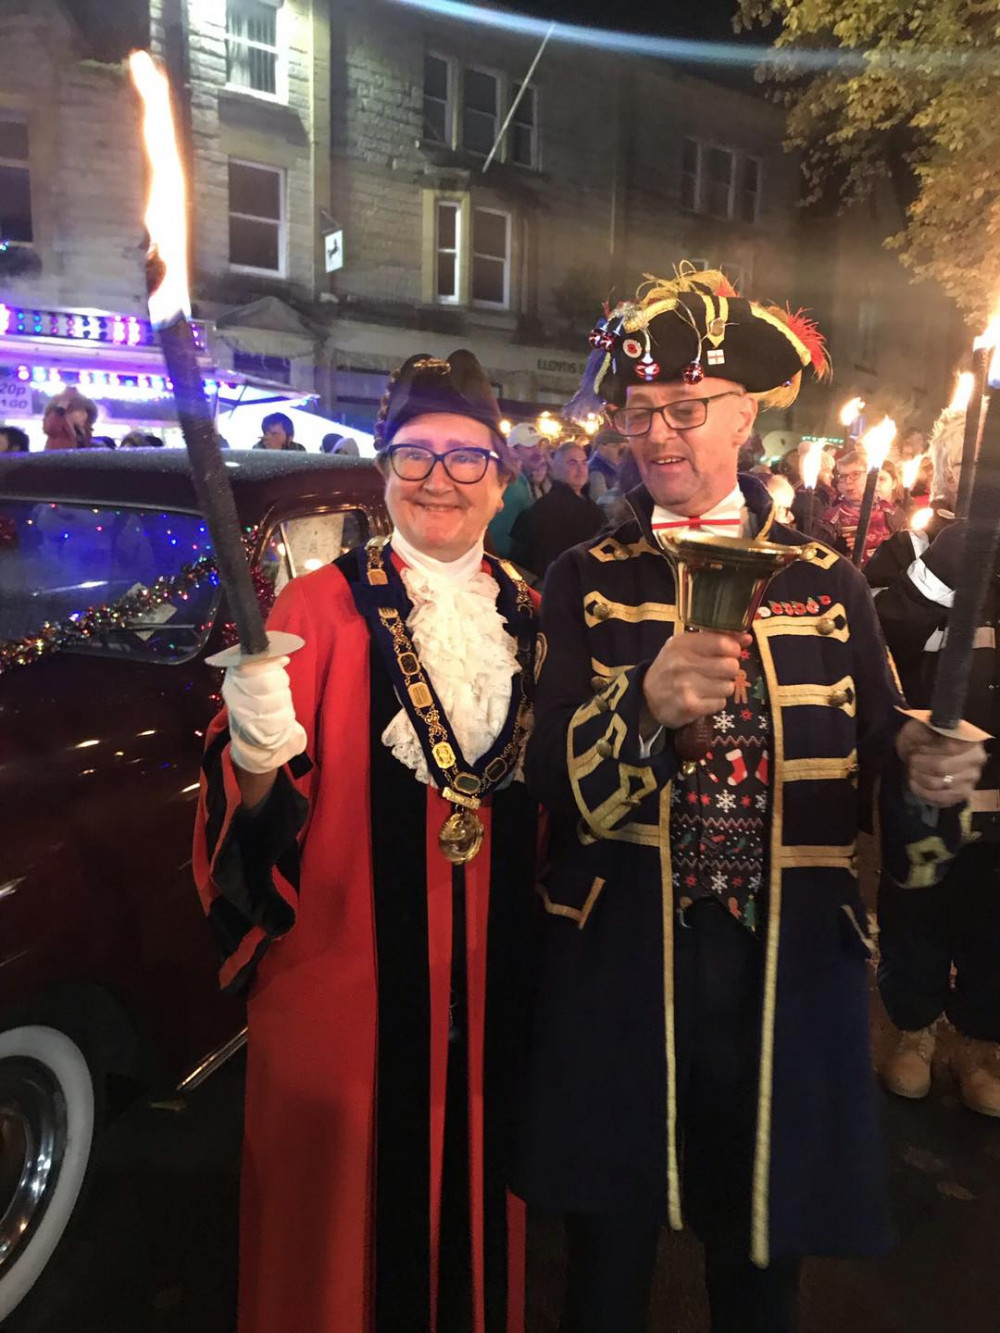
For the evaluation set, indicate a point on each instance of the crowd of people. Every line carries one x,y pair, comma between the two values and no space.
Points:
569,487
506,938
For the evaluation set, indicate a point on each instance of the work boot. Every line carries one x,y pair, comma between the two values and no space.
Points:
977,1066
907,1072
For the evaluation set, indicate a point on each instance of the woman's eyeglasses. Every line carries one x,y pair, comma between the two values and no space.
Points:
412,462
682,414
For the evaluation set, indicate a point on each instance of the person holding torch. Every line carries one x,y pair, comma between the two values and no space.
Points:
700,1039
364,850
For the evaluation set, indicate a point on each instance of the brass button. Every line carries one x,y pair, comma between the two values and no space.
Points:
837,698
601,704
854,770
601,611
809,552
604,749
597,683
826,625
621,553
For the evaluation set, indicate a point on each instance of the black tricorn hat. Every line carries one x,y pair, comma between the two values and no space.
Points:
425,384
695,325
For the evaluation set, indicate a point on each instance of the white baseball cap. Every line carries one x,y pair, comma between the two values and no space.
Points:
525,436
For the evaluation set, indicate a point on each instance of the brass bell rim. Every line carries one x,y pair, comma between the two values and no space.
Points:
735,550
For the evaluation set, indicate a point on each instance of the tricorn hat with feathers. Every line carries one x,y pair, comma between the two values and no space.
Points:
696,324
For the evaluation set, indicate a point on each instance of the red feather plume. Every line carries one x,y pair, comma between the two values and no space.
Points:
807,332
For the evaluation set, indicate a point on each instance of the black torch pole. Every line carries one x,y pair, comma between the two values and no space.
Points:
208,471
982,537
981,357
865,517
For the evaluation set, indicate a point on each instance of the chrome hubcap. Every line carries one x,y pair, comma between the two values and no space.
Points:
32,1145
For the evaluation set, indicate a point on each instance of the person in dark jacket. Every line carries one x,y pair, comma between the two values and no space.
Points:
278,432
927,934
607,450
700,1040
564,516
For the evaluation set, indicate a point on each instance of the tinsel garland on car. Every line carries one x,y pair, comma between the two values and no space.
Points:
82,626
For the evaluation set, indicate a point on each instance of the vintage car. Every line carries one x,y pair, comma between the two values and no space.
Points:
107,971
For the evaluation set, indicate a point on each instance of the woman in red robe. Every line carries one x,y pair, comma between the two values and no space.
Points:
365,854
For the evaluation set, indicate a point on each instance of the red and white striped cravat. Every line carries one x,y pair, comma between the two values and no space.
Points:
723,520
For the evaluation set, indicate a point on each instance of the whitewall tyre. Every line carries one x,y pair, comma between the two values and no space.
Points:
46,1143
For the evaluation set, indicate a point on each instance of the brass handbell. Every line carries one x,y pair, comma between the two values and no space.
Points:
721,582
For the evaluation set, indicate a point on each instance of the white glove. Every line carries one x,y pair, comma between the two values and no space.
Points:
262,724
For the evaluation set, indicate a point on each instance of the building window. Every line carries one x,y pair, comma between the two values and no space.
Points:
480,111
490,257
15,179
750,190
253,58
691,175
438,100
448,252
719,172
256,217
522,141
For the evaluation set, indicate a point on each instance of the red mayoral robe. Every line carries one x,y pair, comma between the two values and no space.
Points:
386,990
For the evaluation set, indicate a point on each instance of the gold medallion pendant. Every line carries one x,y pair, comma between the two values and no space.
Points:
461,837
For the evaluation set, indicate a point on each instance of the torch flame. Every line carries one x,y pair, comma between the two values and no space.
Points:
991,334
877,442
909,469
166,210
810,458
851,410
963,391
920,519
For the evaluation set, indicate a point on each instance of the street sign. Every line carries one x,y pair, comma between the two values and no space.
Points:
333,246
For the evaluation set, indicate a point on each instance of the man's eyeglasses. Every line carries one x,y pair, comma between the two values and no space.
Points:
850,476
412,462
682,414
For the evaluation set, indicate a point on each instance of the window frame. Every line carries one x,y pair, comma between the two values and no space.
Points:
707,182
280,51
459,206
20,164
535,163
757,193
477,302
450,104
500,84
282,270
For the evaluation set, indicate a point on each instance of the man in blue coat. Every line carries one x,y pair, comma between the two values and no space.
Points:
700,1040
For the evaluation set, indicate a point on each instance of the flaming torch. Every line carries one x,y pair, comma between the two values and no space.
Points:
982,355
810,458
169,310
850,416
908,473
963,391
982,538
876,443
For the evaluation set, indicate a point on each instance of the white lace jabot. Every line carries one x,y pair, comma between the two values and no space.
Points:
464,646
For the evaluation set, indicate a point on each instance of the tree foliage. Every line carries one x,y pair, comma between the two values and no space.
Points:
906,87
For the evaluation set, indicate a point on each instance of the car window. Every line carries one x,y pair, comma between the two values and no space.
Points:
58,560
300,545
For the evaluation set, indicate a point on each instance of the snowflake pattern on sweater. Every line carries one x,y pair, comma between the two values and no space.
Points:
719,814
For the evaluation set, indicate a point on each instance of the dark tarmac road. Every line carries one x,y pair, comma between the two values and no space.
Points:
156,1248
157,1253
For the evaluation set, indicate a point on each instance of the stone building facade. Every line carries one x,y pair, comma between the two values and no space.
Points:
364,128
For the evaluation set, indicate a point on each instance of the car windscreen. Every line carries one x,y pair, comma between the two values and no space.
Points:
61,560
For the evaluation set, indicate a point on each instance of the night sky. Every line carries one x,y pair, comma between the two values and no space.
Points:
709,19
